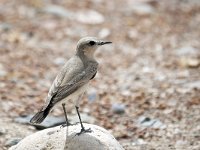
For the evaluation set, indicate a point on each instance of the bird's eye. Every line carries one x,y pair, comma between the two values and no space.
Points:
92,43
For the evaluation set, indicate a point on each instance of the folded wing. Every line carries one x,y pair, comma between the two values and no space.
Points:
75,83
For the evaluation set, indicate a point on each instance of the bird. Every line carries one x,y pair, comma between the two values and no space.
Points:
72,80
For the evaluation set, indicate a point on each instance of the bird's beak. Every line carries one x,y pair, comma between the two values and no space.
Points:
103,43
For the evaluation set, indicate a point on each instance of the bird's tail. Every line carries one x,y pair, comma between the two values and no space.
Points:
40,116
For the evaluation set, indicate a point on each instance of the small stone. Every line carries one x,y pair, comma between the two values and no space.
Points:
133,34
23,119
59,61
148,122
86,110
118,108
183,74
139,142
50,121
189,62
12,141
2,131
126,92
104,33
147,69
141,8
172,102
193,63
74,32
58,11
5,26
3,72
90,17
181,143
92,94
183,90
187,50
50,25
158,125
193,85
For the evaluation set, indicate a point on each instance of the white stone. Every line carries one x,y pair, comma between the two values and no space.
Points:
193,85
58,11
58,138
133,33
187,50
3,72
105,32
141,8
139,142
60,61
90,17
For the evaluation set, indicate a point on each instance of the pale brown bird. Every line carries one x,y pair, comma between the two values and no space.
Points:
72,81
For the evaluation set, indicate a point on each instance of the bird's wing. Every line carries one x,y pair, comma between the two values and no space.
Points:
55,86
65,74
76,82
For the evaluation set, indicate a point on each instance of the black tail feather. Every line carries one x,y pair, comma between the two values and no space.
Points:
40,116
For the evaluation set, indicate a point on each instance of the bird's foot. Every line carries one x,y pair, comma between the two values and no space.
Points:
83,130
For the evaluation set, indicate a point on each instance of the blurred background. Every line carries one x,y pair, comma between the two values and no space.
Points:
147,90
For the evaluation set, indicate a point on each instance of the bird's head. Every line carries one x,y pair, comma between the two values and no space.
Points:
88,45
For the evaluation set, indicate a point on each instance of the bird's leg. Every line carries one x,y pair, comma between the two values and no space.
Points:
66,119
83,130
82,127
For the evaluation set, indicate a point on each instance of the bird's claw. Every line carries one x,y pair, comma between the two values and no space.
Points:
83,130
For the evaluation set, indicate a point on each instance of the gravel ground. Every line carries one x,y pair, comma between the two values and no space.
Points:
147,90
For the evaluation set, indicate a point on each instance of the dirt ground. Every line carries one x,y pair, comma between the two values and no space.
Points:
152,68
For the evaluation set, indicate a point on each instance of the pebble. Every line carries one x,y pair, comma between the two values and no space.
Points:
85,17
50,121
92,94
180,143
23,119
3,72
5,26
187,50
75,32
141,8
148,122
60,61
193,85
118,108
133,34
58,11
2,131
105,32
139,142
90,17
147,69
13,141
189,62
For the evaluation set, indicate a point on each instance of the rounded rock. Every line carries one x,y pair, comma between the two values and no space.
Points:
67,139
